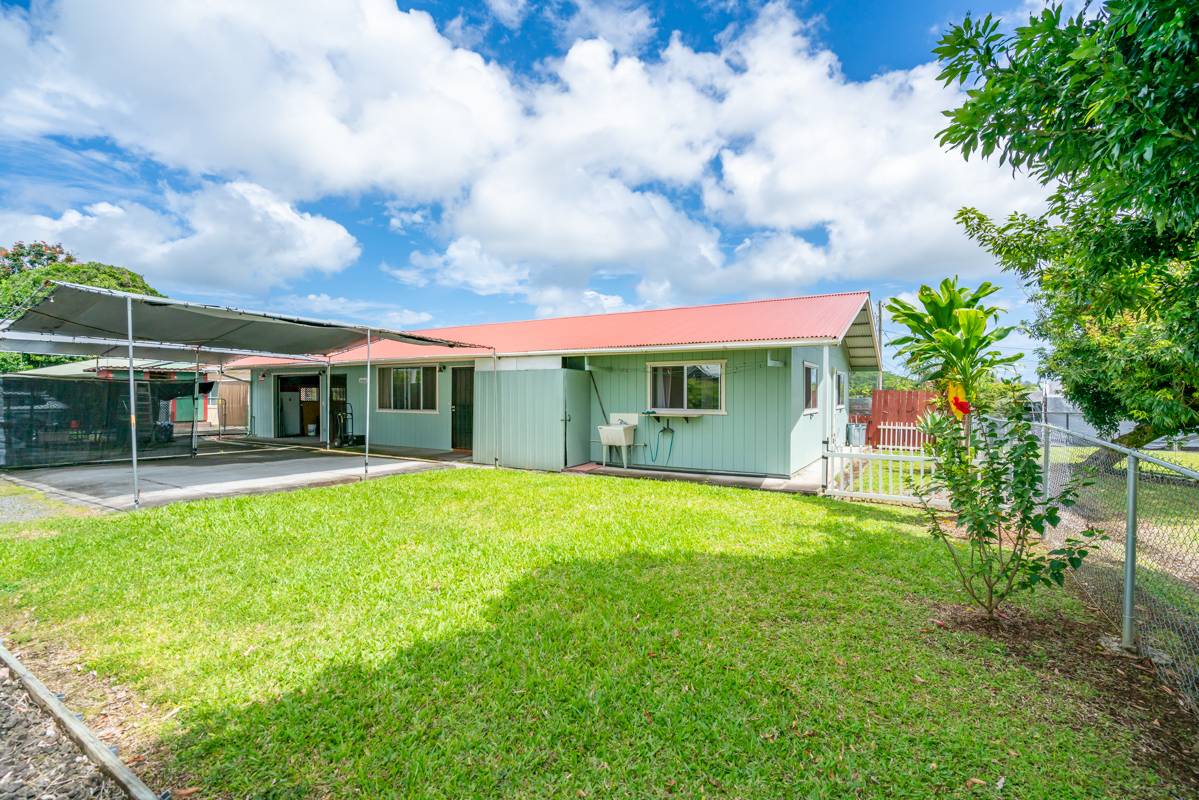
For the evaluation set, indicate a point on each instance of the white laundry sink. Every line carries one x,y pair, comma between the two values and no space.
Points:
617,435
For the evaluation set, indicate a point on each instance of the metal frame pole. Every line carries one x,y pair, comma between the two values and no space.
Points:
366,450
328,404
195,405
1128,628
132,405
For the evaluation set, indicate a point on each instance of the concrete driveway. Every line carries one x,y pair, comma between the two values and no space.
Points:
230,469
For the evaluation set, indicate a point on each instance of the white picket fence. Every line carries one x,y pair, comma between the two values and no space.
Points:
873,475
900,436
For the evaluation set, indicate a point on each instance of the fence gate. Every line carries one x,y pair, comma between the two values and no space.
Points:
895,477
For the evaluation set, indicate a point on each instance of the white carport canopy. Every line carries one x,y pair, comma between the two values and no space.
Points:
72,320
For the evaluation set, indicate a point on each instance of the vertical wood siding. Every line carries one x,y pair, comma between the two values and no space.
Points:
808,430
532,433
751,437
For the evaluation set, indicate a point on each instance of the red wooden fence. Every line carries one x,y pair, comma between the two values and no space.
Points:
895,406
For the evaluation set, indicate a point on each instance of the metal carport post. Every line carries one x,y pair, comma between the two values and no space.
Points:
132,404
366,449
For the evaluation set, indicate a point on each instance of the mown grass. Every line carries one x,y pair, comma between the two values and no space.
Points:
469,633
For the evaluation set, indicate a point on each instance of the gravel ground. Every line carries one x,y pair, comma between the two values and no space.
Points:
37,760
20,507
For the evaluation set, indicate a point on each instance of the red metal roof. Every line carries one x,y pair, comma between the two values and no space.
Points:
825,316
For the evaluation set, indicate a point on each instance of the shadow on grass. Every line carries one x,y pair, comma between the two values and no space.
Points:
670,675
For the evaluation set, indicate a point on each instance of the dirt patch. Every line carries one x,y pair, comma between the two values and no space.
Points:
1126,689
114,712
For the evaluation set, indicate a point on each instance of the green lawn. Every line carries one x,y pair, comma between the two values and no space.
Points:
471,633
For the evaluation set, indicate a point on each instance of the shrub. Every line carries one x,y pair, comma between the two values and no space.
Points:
992,477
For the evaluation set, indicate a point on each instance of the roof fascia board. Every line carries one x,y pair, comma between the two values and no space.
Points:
682,348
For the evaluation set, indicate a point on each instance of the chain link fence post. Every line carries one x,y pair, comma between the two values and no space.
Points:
1044,462
1128,634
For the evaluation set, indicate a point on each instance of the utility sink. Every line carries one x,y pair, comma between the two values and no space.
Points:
617,435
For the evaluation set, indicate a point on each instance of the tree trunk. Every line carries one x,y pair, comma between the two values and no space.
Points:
1104,459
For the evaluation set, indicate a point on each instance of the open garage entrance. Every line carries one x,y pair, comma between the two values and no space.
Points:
298,407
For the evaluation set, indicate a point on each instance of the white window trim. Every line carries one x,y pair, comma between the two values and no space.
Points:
816,408
839,378
436,389
710,412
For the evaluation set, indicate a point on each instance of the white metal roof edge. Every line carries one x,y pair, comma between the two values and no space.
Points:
415,338
681,348
138,344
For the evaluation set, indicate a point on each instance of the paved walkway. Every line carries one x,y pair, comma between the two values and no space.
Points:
245,470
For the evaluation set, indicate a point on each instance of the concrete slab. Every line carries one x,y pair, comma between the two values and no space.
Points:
244,470
806,481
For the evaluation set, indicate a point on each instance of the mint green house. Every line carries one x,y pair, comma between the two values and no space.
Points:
751,388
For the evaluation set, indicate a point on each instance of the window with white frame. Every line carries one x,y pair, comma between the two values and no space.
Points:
811,388
687,386
841,387
408,389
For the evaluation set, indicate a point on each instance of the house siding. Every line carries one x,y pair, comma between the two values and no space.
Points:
530,409
388,428
762,432
808,431
751,437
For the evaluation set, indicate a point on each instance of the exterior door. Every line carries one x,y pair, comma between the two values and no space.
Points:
462,407
576,416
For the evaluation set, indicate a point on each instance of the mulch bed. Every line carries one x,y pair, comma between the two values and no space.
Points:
1125,688
37,760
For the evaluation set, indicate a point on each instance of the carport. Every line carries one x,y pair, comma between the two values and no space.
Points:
72,320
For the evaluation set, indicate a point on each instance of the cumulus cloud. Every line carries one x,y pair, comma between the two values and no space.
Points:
324,306
752,167
235,235
627,26
343,97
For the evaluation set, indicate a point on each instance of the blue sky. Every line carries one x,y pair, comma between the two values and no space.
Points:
441,163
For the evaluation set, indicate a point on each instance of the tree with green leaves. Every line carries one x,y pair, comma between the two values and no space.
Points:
21,257
1104,108
22,286
949,339
863,384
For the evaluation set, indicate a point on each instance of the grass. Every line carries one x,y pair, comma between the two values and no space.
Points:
470,633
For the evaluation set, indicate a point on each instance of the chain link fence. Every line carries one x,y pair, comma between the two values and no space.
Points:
1145,575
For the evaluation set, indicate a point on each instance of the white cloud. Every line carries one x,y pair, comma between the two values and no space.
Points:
465,265
341,97
509,12
324,306
625,25
555,301
224,236
409,276
601,163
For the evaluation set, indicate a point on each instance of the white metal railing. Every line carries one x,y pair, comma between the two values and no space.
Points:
900,436
896,477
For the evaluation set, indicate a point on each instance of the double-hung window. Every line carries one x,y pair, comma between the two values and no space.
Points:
687,386
408,389
811,388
